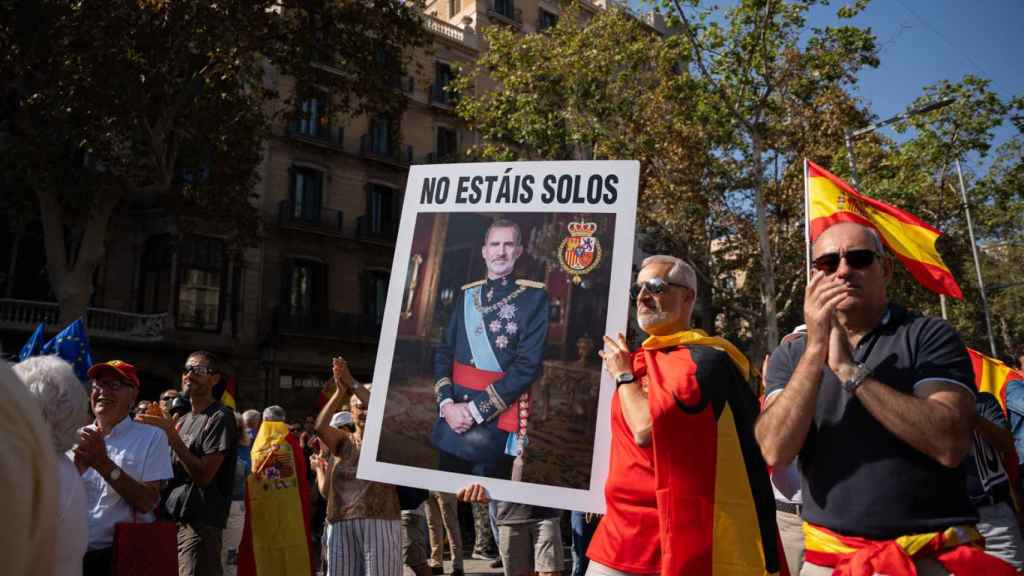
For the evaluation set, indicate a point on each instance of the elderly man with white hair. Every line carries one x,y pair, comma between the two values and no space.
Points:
683,458
63,404
274,414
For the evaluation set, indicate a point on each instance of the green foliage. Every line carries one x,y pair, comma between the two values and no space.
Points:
169,102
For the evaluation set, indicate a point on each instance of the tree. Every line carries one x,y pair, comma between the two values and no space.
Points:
108,104
762,65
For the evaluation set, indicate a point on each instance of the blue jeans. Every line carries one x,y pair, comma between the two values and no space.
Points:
582,532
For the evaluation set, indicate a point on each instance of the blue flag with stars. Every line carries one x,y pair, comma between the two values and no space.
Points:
34,346
72,345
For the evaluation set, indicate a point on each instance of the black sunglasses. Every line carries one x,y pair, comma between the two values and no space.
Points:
166,398
198,370
654,286
856,259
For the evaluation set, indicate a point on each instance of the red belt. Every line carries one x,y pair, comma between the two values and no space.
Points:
477,379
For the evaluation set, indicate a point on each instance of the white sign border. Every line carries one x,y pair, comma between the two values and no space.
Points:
624,207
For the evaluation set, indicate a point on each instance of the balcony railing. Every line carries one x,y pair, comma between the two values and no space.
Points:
505,11
367,229
100,322
389,153
326,220
440,97
330,324
332,137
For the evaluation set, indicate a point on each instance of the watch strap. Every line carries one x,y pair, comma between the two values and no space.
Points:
858,378
624,378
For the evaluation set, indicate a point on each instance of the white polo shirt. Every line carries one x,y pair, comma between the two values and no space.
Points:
140,451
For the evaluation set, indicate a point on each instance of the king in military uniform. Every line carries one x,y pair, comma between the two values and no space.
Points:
491,353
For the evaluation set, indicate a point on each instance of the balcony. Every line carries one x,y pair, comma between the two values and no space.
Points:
367,229
100,322
329,324
330,137
319,220
440,97
384,152
450,32
504,11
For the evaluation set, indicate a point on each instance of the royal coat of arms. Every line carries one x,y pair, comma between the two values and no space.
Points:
580,252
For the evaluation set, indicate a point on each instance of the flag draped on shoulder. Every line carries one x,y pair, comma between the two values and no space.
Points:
991,375
911,240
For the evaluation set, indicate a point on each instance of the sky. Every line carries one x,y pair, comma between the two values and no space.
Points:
924,41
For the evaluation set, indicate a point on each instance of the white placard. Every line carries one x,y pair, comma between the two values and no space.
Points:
577,227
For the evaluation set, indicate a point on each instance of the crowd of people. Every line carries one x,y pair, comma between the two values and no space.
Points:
863,448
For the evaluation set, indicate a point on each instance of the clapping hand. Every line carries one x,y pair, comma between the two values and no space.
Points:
342,376
91,451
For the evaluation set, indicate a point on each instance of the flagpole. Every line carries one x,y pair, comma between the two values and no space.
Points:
807,222
977,264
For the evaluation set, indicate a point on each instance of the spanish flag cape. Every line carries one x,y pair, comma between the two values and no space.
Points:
830,200
992,376
715,504
276,538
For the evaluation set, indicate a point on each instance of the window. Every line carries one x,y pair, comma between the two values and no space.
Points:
376,294
313,119
201,279
306,190
504,8
443,76
381,209
446,146
305,293
155,275
546,20
380,135
454,7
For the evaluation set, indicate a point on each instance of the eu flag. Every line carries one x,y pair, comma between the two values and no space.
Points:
72,344
34,346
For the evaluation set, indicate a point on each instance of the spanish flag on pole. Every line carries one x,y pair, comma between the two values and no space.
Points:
991,375
830,200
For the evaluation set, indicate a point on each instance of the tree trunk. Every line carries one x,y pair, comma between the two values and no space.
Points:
71,282
771,320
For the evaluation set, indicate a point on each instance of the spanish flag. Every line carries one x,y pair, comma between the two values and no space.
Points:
911,240
228,397
991,375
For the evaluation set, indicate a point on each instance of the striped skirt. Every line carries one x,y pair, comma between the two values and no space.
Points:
363,547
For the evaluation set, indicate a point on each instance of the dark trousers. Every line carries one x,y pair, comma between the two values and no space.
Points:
98,562
582,532
199,550
501,469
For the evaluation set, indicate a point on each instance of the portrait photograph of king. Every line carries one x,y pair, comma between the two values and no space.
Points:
495,371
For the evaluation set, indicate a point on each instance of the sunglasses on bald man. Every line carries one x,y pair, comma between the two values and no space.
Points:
652,285
856,259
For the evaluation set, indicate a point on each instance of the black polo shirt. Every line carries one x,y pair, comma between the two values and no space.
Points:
859,479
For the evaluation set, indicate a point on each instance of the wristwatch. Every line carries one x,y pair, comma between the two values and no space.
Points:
858,378
115,474
624,378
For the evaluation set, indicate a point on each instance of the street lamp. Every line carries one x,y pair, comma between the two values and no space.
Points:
849,136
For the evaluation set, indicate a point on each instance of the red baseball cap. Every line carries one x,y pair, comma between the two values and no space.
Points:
122,369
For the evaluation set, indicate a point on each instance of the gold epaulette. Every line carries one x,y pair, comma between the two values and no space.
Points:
531,284
472,284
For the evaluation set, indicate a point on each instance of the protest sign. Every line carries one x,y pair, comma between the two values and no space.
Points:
505,278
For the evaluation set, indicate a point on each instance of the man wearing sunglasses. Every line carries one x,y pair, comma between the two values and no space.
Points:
204,442
123,463
683,459
878,402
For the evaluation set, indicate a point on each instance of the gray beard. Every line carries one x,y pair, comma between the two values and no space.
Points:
651,319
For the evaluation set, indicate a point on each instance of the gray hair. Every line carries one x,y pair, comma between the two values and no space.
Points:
61,397
274,414
252,418
680,273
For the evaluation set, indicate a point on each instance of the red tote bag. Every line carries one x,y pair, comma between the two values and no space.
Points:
146,549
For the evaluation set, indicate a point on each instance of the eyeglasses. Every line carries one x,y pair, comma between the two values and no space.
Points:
653,285
111,385
197,370
856,259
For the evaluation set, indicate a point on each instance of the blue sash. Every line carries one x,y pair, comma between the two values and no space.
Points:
476,333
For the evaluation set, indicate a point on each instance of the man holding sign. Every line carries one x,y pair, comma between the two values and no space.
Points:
491,353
